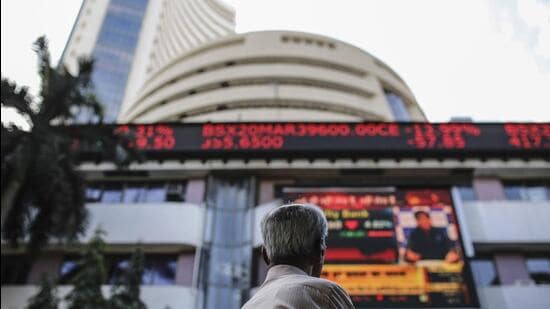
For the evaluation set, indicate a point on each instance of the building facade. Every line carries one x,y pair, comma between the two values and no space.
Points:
274,76
196,212
128,39
315,114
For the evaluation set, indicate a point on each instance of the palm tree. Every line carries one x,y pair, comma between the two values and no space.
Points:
42,193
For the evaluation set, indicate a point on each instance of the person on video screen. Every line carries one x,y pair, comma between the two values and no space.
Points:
427,243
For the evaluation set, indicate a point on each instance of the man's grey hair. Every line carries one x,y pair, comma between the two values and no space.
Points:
294,231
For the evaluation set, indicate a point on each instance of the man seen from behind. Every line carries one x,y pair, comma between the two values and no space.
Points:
294,248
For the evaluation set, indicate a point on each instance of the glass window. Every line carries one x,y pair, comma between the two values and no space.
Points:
67,270
527,193
155,193
535,194
175,192
93,194
467,193
112,193
484,272
397,106
116,266
114,52
134,193
539,270
159,270
512,193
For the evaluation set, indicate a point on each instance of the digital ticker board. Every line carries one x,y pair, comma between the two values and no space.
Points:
392,247
370,139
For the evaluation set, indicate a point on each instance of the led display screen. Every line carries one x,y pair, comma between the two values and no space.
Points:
371,139
393,247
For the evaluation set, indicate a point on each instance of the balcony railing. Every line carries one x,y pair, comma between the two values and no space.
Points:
508,222
155,223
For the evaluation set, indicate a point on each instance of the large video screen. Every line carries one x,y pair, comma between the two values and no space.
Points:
393,247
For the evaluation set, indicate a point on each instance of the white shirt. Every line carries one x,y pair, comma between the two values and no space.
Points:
289,287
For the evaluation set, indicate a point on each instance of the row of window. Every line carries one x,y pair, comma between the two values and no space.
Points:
135,192
485,272
397,106
159,269
533,193
155,192
119,34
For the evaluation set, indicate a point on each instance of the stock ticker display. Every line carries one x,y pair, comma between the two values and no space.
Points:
387,139
371,234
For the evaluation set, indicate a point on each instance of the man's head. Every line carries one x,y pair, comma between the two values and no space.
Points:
423,220
295,234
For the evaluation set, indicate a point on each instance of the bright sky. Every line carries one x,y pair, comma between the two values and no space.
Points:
487,59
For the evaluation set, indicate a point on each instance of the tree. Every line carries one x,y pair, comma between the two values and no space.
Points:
46,297
125,293
42,193
87,277
90,274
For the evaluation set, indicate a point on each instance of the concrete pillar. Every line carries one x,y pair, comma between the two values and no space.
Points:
511,269
195,191
488,189
185,268
267,192
47,264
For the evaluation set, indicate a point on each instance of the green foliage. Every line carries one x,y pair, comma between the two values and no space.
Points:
42,193
90,274
126,292
46,297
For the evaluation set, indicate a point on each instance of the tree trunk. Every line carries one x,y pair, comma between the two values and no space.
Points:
14,185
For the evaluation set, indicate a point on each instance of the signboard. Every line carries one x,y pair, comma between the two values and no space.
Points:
393,248
326,140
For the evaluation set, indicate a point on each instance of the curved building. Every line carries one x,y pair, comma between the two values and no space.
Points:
129,38
273,76
195,202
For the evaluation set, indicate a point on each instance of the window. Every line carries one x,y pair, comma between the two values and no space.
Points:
533,193
159,269
539,270
112,193
467,193
93,193
135,192
114,51
397,106
484,272
68,269
155,193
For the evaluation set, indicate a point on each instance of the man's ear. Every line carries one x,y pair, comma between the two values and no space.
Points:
264,256
320,258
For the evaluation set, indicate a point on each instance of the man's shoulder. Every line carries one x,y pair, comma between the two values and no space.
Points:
317,289
315,283
298,291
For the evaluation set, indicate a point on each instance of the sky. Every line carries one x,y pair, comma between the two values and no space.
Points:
484,59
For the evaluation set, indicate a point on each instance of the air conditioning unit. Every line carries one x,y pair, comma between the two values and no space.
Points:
175,192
